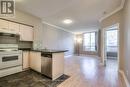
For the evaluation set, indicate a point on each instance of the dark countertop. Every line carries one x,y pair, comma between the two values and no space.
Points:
25,49
48,51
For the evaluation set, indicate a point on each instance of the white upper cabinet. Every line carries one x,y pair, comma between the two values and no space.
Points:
26,33
4,25
9,27
14,27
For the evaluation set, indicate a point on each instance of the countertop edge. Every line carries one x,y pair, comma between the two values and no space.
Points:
56,51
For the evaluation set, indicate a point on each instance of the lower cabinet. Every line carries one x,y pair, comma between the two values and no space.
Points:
32,59
25,60
51,66
35,61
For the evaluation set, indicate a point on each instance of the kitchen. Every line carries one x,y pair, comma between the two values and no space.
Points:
61,43
21,48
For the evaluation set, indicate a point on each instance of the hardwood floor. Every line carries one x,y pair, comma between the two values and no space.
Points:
87,72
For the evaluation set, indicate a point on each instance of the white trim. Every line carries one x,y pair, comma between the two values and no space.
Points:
114,25
66,56
104,42
57,27
89,31
103,48
116,10
125,78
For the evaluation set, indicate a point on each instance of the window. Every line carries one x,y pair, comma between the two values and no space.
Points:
112,40
89,41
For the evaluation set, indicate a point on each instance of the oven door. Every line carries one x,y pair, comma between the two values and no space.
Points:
12,60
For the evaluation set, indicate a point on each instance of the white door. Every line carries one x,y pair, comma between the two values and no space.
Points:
35,61
25,59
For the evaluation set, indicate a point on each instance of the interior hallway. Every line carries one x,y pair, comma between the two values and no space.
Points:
88,72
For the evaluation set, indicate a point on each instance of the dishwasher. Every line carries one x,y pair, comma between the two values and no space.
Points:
46,65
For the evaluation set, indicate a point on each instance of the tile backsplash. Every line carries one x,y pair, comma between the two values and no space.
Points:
37,45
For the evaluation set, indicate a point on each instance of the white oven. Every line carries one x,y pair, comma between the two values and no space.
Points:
10,59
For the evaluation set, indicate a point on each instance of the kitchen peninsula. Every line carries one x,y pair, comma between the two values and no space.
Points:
47,62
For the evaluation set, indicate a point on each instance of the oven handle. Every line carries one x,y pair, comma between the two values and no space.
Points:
9,58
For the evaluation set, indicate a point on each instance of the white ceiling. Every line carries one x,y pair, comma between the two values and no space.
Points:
84,13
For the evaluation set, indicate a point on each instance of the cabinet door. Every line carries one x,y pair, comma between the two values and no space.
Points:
14,27
4,25
26,33
35,61
25,60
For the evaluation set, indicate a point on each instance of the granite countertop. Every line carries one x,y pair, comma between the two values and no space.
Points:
43,50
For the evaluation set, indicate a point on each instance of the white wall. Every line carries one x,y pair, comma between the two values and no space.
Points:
54,38
114,19
44,35
123,18
126,16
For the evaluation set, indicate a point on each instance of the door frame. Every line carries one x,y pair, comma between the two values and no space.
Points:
104,44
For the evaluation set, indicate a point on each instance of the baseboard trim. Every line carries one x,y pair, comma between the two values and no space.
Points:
124,77
68,56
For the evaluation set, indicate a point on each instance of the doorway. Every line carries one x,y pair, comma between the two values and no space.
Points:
111,47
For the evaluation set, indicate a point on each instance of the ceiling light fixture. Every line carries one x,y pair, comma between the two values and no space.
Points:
67,21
